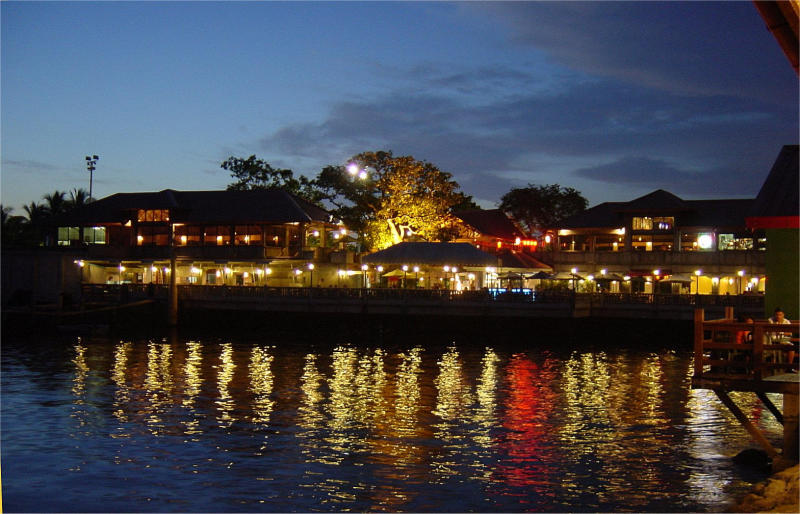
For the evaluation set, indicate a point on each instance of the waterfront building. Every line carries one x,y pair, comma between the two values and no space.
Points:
661,243
255,237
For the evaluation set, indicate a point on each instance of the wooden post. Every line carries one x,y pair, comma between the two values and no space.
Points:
751,429
771,406
758,351
699,317
791,450
728,312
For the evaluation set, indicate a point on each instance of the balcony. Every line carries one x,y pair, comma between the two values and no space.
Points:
667,260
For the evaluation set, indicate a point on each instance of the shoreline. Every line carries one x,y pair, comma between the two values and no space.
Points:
778,493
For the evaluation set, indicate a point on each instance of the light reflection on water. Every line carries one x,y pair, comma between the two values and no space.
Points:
210,426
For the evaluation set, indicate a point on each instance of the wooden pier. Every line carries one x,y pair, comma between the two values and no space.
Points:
757,357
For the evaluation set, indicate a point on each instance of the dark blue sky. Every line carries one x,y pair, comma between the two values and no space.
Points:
613,99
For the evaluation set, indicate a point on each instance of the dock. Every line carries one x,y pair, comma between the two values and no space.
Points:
764,363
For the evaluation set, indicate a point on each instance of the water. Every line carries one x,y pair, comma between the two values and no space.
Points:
222,425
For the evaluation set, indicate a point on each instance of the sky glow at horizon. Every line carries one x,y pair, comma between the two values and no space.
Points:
613,99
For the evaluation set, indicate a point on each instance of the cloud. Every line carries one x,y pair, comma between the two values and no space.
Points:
30,165
654,174
697,48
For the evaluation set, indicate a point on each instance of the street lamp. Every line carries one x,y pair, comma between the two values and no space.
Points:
364,269
405,269
416,276
697,274
574,272
311,277
91,163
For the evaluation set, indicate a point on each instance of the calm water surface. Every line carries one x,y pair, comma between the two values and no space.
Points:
231,425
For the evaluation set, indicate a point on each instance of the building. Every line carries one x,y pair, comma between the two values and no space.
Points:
253,237
661,243
776,211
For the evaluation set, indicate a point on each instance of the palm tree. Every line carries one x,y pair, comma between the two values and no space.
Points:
56,203
78,197
36,212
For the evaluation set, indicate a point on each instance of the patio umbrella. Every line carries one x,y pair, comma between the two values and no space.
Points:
541,275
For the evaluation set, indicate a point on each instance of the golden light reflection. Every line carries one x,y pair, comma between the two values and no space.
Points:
81,371
485,415
310,414
193,381
261,380
453,398
118,372
342,401
158,383
453,394
226,369
407,395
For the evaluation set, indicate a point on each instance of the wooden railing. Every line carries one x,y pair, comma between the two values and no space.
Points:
768,349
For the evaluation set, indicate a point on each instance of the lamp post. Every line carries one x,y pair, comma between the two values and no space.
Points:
311,276
416,276
405,269
364,269
91,163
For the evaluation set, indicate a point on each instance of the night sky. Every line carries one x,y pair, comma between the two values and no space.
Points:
613,99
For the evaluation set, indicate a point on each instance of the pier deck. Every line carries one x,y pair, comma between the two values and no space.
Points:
764,363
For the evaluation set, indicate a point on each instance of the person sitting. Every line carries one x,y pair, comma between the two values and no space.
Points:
779,318
744,336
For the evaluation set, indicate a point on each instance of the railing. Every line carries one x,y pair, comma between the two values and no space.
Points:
131,292
763,349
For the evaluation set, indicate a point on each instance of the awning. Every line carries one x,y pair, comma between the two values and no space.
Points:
566,275
678,277
610,276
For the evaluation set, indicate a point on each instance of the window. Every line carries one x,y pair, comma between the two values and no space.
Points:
577,243
247,235
217,235
275,235
68,236
188,235
652,243
609,244
648,223
732,242
151,215
94,235
152,236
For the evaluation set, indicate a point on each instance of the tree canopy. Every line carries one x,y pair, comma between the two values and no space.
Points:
538,208
254,173
390,199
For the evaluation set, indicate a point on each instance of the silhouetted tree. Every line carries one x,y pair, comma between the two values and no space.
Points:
541,207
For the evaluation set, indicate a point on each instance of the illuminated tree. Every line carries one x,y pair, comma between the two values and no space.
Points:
391,199
541,207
